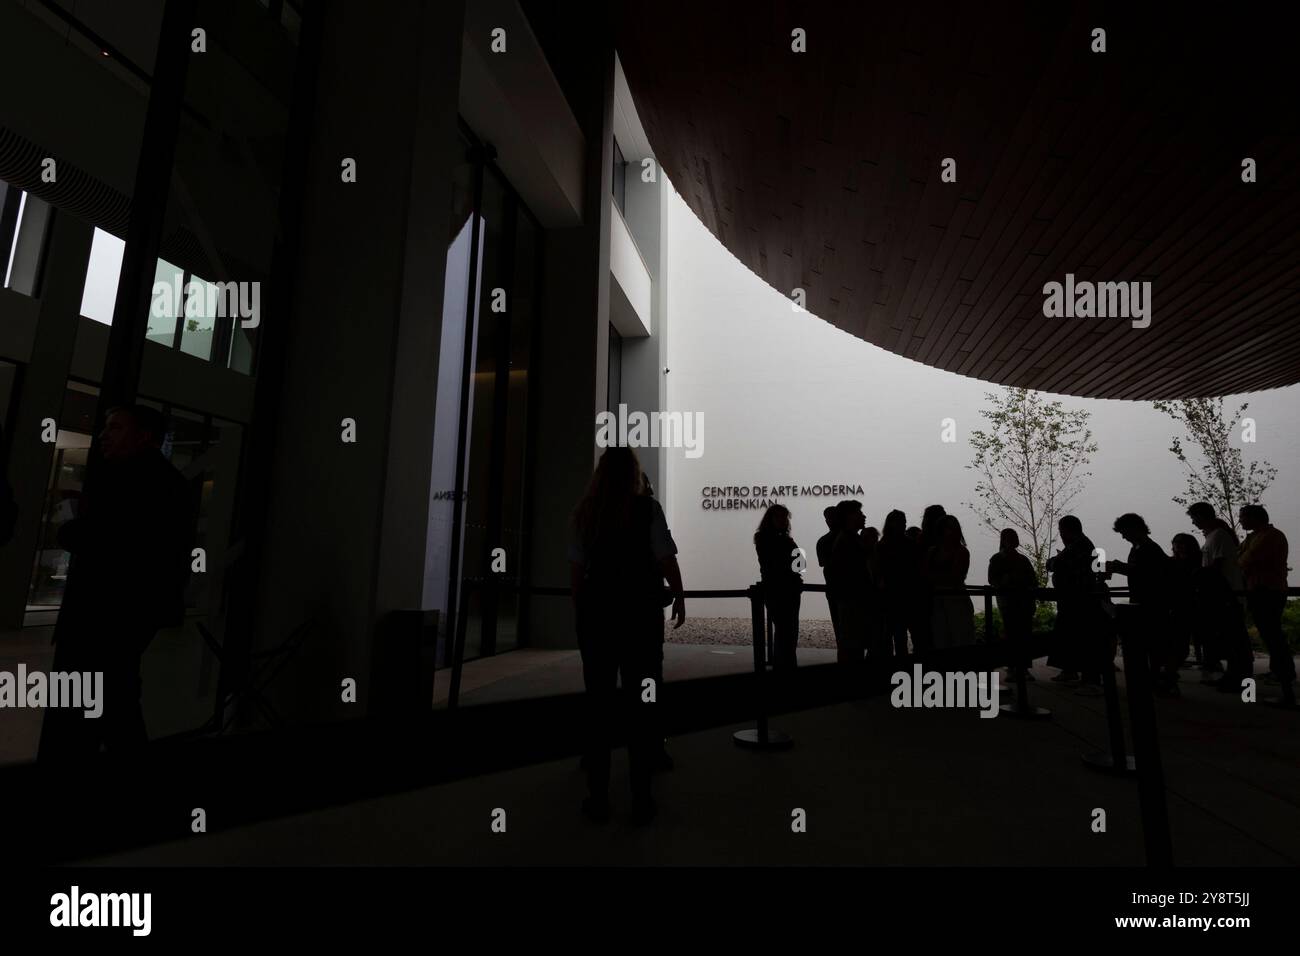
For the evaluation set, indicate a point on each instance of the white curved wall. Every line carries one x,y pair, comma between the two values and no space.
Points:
788,398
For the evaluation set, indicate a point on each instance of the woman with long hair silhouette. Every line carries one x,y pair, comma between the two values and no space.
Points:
620,555
948,561
782,583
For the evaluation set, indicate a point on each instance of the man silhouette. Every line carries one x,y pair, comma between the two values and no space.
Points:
1219,556
848,576
825,545
1150,576
130,545
1263,563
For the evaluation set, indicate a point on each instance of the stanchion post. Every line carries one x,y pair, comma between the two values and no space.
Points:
760,737
1133,621
988,616
1117,761
1020,663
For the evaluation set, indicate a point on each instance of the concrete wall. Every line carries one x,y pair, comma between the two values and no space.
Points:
572,366
345,540
645,358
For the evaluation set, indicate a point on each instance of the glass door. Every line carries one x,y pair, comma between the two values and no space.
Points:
477,538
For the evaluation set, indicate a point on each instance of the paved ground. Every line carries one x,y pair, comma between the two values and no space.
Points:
878,785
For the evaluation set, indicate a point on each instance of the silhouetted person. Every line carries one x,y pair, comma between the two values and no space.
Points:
1149,572
1228,640
1083,634
1185,615
782,584
130,545
877,638
947,563
825,544
900,573
620,555
850,579
922,624
1013,579
1263,564
660,761
930,519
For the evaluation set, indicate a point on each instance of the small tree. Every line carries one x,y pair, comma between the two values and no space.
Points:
1032,462
1222,477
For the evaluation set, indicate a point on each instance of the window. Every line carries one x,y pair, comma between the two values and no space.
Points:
67,476
23,219
168,281
201,308
620,179
614,384
102,272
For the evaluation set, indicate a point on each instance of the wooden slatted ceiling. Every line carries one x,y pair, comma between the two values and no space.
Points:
821,171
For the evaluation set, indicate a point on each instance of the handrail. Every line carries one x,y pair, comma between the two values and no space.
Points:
986,591
971,590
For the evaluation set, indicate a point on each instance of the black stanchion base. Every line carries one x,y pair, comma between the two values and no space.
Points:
1106,764
750,740
1028,713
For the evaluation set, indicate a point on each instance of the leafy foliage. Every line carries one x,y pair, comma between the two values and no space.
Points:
1032,462
1222,476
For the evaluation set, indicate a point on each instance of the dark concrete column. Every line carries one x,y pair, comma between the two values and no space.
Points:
574,350
345,529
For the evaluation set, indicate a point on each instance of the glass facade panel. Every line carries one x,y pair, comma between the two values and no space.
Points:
67,477
488,326
23,220
620,179
102,273
441,551
167,303
200,321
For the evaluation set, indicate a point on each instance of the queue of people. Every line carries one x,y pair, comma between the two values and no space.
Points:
902,590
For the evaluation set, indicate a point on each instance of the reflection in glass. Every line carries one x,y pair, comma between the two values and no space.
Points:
200,325
166,306
63,491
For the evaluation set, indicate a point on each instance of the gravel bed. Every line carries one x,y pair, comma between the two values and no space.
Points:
733,631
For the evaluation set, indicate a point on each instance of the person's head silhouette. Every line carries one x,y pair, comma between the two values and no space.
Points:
1070,529
1132,528
1203,516
615,485
1253,517
775,521
1185,548
130,430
